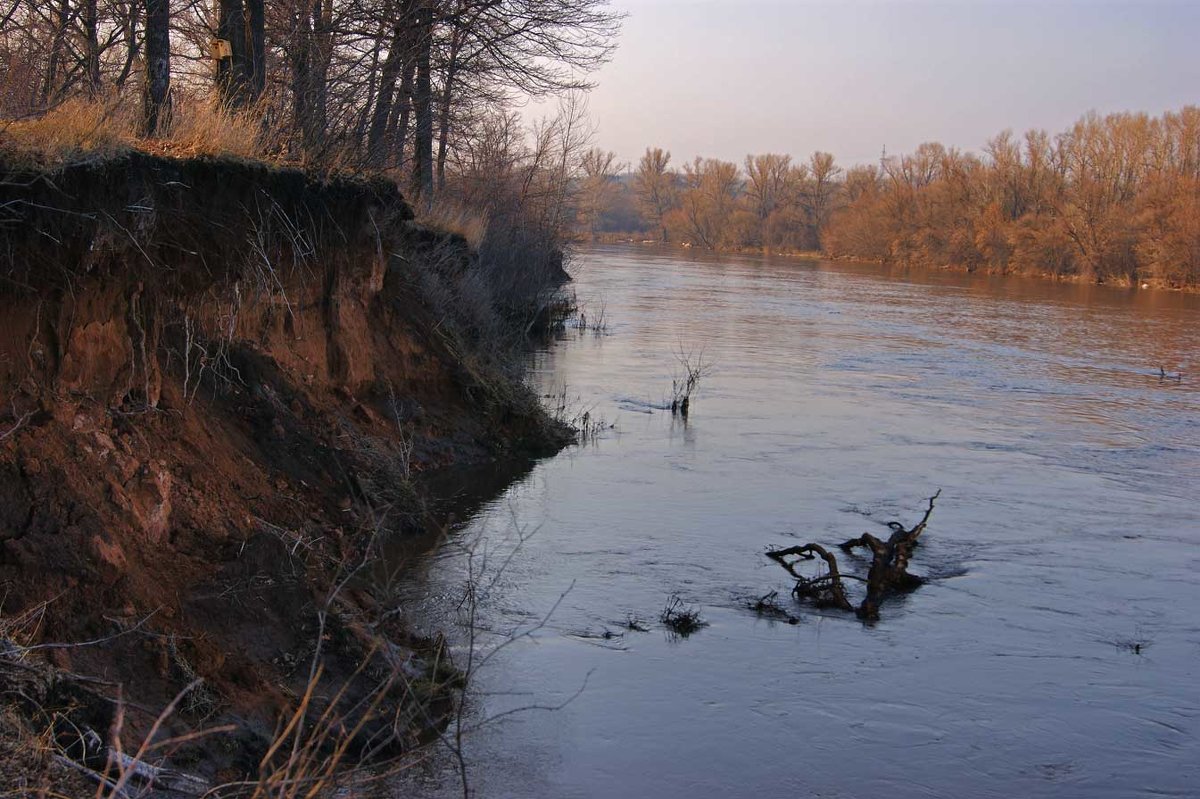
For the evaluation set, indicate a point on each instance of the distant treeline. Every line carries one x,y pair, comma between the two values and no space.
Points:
1114,199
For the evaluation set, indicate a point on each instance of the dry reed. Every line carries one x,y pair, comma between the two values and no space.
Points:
95,129
449,216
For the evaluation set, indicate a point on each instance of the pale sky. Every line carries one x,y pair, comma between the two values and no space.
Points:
725,78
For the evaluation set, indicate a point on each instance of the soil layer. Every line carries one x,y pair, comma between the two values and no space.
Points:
220,385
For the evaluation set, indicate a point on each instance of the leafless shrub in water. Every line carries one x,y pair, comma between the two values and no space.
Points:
680,618
684,385
565,409
592,318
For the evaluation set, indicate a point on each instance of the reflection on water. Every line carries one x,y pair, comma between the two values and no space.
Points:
841,397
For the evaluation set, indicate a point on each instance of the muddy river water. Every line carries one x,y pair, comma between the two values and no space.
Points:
1055,650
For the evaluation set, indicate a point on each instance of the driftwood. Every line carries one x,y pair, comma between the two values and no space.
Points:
826,589
888,572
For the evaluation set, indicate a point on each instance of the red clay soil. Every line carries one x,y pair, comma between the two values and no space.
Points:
216,380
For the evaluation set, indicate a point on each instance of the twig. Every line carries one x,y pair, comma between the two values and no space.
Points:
96,641
20,423
105,782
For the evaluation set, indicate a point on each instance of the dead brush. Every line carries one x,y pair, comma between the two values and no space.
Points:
768,607
127,775
684,385
588,427
68,749
565,410
340,737
592,318
680,618
42,772
311,752
72,731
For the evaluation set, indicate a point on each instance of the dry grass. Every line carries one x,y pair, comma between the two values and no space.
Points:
449,216
18,632
82,128
30,765
75,129
201,126
315,752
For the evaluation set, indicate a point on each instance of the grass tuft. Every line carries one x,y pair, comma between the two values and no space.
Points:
680,618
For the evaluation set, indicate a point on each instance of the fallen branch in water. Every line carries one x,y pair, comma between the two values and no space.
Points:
888,572
825,590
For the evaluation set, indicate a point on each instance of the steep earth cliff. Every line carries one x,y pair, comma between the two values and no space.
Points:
220,385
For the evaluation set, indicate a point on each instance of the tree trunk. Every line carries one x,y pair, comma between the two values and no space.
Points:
310,69
257,46
444,107
231,71
422,177
91,25
158,67
62,20
316,123
129,32
382,113
366,115
242,76
299,53
403,114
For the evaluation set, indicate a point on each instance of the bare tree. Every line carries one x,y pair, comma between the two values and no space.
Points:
708,200
821,191
655,185
600,168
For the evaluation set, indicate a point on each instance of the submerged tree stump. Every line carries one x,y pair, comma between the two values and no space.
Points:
888,573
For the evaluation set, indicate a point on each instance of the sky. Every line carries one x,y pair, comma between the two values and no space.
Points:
723,78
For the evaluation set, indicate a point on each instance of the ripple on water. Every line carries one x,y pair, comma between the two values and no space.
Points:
840,398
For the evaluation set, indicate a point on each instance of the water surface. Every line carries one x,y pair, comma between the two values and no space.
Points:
840,397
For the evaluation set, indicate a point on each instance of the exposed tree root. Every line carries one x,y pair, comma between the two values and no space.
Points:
888,572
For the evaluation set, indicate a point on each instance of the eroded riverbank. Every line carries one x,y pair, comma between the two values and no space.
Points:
222,383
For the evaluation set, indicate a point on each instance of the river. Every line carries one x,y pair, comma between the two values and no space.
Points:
1055,649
